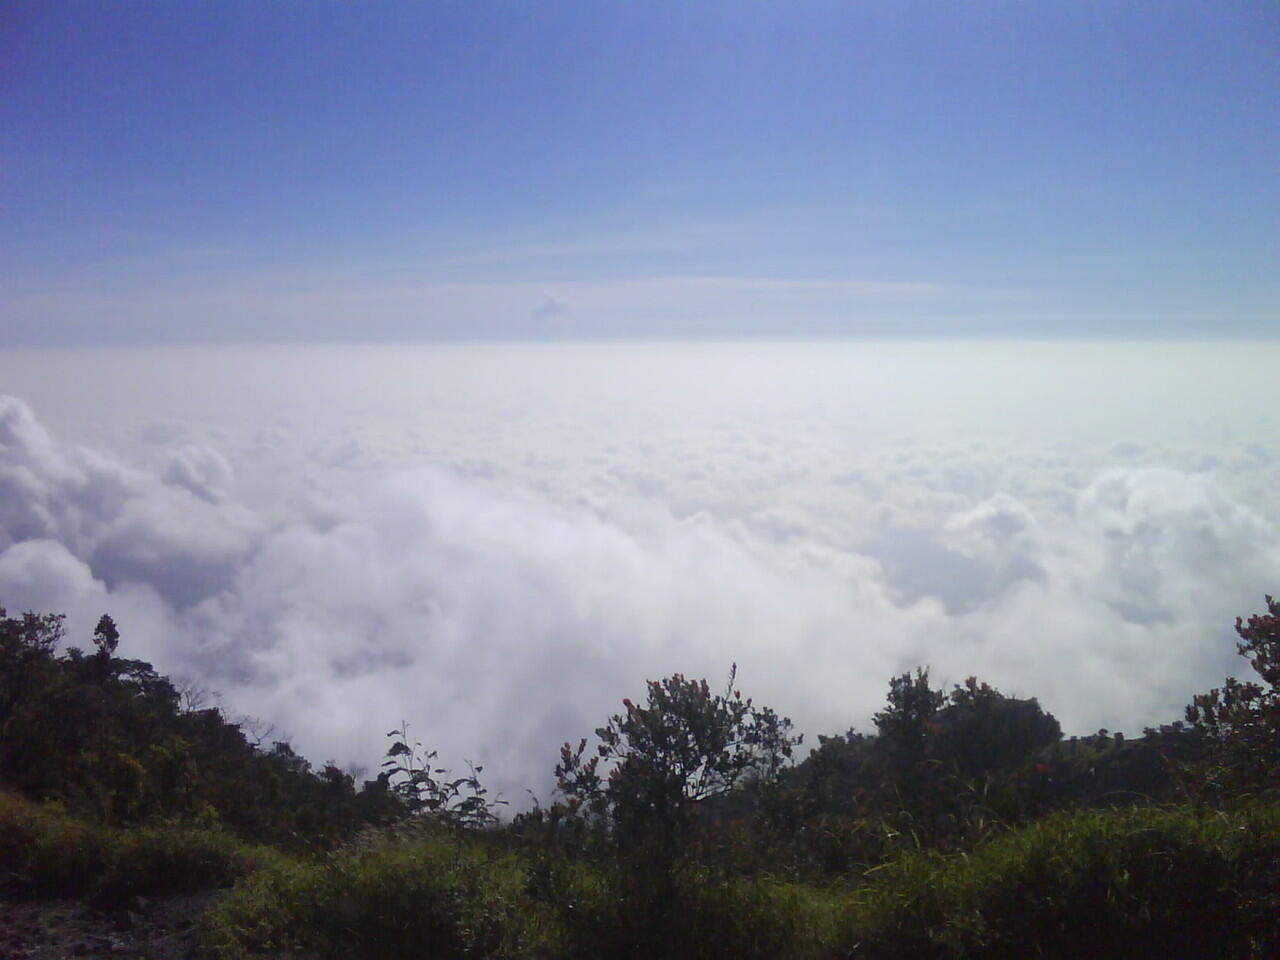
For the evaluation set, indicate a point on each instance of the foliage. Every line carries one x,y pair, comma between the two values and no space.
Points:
1240,722
963,826
427,790
900,762
26,656
108,737
1134,883
47,853
401,894
942,770
981,730
683,747
710,916
905,722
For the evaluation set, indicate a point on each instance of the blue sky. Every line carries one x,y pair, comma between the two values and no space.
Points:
183,172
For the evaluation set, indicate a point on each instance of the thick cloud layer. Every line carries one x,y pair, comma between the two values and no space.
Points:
501,566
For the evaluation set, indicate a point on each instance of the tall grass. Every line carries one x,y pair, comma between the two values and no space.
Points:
44,852
437,894
700,915
431,894
1137,883
1130,883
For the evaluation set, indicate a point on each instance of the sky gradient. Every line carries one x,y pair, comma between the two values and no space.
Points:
245,171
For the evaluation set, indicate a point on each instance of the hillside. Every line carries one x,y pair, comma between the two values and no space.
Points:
136,823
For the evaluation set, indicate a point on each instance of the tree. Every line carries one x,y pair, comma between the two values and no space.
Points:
665,758
905,724
981,731
899,769
106,637
1240,721
107,737
27,645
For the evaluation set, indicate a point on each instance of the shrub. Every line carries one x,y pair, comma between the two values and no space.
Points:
434,894
48,853
1240,722
702,916
440,895
155,861
668,758
1135,883
45,852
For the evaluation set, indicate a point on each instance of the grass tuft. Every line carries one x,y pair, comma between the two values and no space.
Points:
1134,883
45,852
392,897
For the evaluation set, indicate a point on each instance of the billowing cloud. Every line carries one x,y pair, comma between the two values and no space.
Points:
130,526
201,470
501,570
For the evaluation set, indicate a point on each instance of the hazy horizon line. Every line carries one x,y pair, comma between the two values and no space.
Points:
606,340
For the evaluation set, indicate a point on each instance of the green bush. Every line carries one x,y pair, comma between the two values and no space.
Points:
438,895
154,861
1136,883
429,895
700,916
45,852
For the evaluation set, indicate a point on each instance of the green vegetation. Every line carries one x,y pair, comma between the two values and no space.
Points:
45,852
1143,882
1241,721
111,740
413,893
963,826
666,760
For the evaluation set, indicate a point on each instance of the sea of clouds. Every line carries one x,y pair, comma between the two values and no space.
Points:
498,543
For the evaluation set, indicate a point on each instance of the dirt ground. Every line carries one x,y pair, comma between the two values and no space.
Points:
161,929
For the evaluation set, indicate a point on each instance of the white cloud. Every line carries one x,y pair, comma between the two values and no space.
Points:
201,470
501,566
129,525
